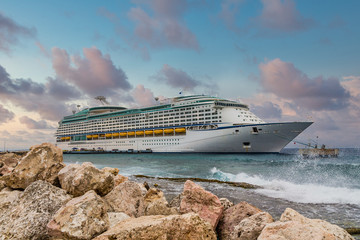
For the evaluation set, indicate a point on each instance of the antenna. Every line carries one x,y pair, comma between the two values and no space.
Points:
78,106
102,100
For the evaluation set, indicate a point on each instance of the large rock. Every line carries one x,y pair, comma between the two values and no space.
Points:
120,179
27,217
42,162
127,197
113,171
8,162
233,216
251,227
179,227
196,199
226,203
81,218
156,204
294,226
116,217
8,199
78,179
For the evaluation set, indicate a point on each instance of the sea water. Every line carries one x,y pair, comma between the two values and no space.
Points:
325,188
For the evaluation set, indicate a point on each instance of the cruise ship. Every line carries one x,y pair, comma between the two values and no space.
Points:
185,124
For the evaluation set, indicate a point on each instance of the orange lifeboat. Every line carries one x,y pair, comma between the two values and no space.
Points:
149,132
139,133
180,130
108,135
95,136
89,136
131,133
168,130
158,131
115,134
123,134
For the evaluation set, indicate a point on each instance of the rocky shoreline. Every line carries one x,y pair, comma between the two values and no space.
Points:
42,198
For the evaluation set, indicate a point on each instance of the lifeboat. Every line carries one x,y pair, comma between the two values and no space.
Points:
67,138
63,138
89,136
168,130
115,134
139,133
131,133
149,132
180,130
95,136
123,134
108,135
102,135
158,131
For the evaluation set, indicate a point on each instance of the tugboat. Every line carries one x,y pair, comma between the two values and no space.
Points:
314,152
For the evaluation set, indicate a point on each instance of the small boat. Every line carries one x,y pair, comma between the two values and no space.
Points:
139,133
158,131
319,152
180,130
168,130
123,134
131,133
149,132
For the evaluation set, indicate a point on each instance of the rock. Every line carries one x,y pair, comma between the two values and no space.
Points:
143,189
196,199
156,204
120,179
293,225
78,179
233,216
146,185
81,218
8,197
42,162
113,171
251,227
226,203
127,197
179,227
116,217
9,159
175,202
27,217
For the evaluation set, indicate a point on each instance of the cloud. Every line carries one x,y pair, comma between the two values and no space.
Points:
10,31
284,80
5,114
281,15
267,110
95,74
143,96
32,124
229,12
165,27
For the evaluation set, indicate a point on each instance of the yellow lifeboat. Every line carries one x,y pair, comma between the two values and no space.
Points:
131,133
67,138
102,135
180,130
158,131
169,130
115,134
95,136
139,133
123,134
149,132
63,138
108,135
89,136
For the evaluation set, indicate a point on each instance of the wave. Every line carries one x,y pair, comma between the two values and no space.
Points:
301,193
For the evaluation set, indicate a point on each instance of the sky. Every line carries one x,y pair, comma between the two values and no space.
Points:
289,60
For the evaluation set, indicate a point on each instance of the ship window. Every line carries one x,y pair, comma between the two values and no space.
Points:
255,129
246,143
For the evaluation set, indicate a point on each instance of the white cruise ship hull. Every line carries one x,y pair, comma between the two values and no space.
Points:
254,138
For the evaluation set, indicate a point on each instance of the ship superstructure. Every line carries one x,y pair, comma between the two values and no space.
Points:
183,124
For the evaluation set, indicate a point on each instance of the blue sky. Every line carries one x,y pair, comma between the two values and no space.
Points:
289,60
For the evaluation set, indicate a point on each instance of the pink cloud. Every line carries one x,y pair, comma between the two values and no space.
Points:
5,114
94,74
32,124
282,15
286,81
143,96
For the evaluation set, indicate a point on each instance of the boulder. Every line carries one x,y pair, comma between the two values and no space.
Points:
78,179
251,227
116,217
156,204
179,227
127,197
294,226
27,217
120,179
226,203
196,199
8,199
113,171
233,216
42,162
175,202
9,159
81,218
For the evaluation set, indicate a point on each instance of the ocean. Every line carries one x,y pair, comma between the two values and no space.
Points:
323,188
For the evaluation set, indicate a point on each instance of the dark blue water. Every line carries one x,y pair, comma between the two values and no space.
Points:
319,188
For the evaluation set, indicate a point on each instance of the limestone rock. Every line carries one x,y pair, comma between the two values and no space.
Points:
78,179
27,217
127,197
226,203
113,171
81,218
116,217
120,179
9,159
233,216
156,204
294,226
251,227
196,199
42,162
175,202
179,227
